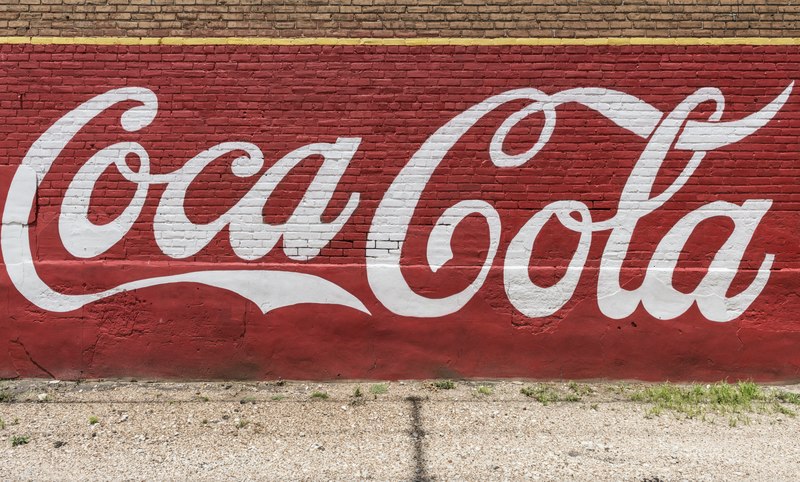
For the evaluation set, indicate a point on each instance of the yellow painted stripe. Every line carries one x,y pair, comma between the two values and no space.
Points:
397,41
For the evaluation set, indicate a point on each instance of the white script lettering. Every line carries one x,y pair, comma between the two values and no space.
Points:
305,234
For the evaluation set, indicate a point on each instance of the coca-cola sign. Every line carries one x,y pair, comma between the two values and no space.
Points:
518,196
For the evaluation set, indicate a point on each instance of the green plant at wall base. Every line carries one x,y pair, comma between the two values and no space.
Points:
357,393
93,420
18,440
580,389
444,384
788,397
319,395
379,389
541,393
693,400
484,390
732,399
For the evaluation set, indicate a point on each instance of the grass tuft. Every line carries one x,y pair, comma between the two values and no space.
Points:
379,389
444,384
18,440
730,399
788,397
541,393
320,396
484,390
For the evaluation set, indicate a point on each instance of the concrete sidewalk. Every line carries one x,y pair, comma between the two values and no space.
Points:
393,431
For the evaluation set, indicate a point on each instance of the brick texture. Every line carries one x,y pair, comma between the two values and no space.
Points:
400,18
253,216
336,210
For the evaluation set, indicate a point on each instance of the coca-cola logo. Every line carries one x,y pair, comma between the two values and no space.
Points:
305,233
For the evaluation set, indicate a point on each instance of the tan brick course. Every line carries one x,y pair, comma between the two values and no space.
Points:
400,18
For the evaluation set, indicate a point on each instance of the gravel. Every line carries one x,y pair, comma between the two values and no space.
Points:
278,431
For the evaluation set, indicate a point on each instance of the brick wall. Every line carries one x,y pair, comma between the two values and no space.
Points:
323,209
394,18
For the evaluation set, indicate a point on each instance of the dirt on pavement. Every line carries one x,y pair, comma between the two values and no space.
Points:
412,430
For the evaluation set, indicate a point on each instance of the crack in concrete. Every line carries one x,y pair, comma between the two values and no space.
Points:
417,434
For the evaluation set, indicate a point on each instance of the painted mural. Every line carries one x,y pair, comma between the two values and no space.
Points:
400,211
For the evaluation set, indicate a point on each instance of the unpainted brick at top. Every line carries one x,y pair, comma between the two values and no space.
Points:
400,18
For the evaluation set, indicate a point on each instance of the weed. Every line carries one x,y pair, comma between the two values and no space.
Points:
619,388
358,397
484,390
6,397
18,440
444,384
594,407
654,411
541,393
203,398
785,410
734,420
319,395
732,399
723,396
788,397
277,398
93,420
379,389
242,424
580,389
